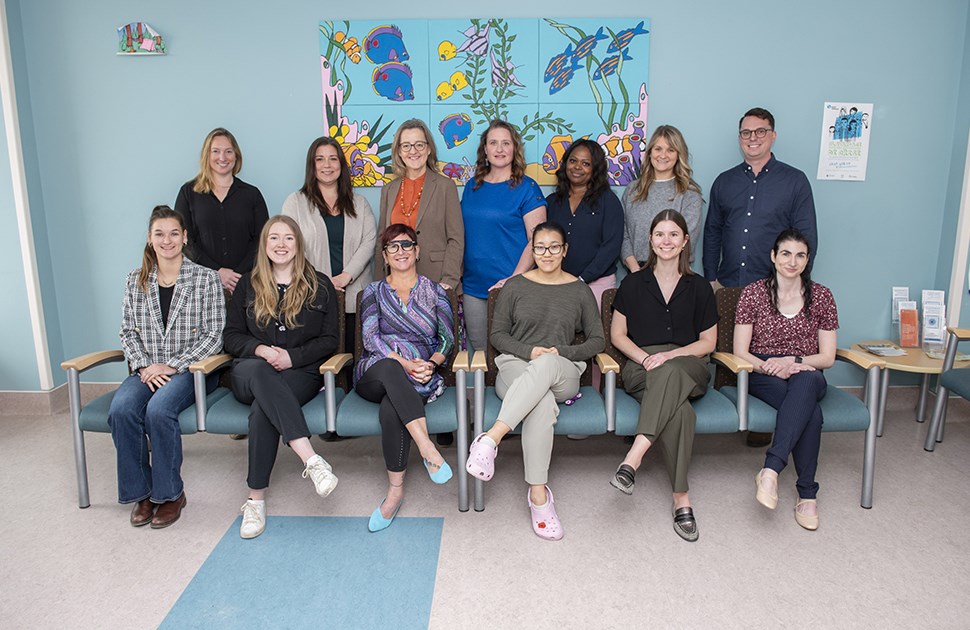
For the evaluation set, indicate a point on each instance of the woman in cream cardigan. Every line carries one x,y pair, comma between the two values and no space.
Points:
337,224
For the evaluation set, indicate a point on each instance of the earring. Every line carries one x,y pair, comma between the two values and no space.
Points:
417,259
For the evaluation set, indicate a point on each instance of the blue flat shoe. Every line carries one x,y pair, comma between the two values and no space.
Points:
443,474
378,522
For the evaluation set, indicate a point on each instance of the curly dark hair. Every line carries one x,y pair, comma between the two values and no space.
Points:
598,181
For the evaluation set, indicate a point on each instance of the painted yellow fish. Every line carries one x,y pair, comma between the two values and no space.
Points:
350,44
444,90
458,80
446,50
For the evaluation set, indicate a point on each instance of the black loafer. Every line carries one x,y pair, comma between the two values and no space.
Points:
685,525
624,478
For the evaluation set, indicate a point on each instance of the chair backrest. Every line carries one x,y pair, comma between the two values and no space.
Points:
448,375
727,306
585,380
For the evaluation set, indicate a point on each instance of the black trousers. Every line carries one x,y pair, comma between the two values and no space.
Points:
276,400
386,383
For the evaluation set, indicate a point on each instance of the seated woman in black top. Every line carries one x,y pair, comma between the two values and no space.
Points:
282,325
665,322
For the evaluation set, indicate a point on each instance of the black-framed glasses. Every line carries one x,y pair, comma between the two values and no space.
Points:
395,246
540,250
760,132
417,146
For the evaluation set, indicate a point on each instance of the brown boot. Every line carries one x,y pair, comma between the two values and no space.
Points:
168,512
142,513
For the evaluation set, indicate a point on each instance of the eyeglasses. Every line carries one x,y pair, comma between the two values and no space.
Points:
540,250
395,246
417,146
760,132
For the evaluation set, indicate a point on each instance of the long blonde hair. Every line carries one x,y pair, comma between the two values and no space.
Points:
303,285
683,173
483,168
149,260
204,181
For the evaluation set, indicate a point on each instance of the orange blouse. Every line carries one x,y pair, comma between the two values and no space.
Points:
405,209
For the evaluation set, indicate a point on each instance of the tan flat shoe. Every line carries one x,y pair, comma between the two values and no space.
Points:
765,498
808,521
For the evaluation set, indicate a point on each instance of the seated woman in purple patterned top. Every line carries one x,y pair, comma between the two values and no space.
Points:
406,329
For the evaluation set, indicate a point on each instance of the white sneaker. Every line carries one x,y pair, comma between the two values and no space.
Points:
253,519
322,475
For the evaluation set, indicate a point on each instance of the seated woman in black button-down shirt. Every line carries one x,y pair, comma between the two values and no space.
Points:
665,322
222,213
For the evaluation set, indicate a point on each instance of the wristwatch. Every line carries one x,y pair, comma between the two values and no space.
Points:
798,359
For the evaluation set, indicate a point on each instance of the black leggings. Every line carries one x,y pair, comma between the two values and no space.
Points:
276,399
386,383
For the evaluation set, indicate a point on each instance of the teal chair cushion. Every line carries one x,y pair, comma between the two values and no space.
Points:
715,413
356,416
231,416
587,416
841,411
957,381
94,415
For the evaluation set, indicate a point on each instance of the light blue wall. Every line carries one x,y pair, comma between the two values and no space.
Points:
113,136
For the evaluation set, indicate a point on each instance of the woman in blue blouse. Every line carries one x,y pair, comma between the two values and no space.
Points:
406,329
592,215
501,208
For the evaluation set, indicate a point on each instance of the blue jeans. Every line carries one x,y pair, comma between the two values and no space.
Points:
138,415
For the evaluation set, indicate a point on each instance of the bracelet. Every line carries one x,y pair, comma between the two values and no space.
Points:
644,360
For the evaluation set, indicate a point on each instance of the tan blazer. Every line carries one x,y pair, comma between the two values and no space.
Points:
441,231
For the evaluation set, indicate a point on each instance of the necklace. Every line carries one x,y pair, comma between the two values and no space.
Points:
414,204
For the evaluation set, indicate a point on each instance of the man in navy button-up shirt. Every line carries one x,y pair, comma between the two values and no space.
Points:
751,204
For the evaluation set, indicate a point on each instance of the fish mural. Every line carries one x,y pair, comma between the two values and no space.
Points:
455,128
623,38
460,172
384,44
503,75
477,42
458,80
393,81
350,45
587,44
557,63
609,65
563,77
446,50
444,90
556,148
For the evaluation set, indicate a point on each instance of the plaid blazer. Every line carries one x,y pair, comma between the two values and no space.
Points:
195,319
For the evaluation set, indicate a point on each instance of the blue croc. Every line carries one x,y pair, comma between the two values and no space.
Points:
442,475
378,522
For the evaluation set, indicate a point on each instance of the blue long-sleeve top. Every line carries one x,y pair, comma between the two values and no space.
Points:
594,233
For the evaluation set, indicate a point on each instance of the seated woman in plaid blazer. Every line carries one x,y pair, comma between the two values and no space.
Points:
172,316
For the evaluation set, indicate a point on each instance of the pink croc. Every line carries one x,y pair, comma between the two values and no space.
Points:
481,459
545,521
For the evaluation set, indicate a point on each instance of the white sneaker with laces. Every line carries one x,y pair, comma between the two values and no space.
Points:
253,519
322,475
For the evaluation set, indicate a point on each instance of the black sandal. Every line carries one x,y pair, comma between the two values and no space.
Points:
624,478
685,525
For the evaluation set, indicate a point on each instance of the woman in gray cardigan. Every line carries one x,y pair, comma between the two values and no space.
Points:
337,224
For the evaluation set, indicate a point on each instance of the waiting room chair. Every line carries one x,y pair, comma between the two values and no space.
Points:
951,380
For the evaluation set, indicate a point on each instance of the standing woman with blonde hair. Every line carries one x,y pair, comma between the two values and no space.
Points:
282,325
666,183
172,316
501,208
337,224
223,214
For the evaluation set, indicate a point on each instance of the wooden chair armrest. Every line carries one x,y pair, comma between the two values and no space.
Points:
460,362
732,362
606,363
93,359
963,334
336,363
478,362
859,359
209,365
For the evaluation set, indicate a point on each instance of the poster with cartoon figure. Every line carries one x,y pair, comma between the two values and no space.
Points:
844,149
556,80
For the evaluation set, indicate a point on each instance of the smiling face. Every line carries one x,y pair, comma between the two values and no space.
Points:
663,158
756,150
667,240
499,148
791,259
327,165
579,167
222,157
167,238
281,244
548,250
413,148
401,253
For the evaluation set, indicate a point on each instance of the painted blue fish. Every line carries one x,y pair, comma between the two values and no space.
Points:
393,81
477,40
554,151
609,65
587,44
503,76
624,37
384,44
564,76
557,63
455,128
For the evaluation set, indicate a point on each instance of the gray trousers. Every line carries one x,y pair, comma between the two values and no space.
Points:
476,321
530,392
666,415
